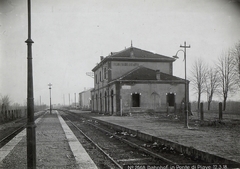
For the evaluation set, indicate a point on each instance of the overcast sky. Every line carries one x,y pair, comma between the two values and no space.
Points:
70,36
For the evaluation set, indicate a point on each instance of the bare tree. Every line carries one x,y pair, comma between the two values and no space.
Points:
198,77
227,75
5,101
236,55
16,105
211,84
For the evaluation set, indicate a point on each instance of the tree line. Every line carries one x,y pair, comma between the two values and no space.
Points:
6,104
221,79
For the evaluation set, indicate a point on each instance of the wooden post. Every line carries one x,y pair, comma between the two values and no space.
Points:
201,111
220,110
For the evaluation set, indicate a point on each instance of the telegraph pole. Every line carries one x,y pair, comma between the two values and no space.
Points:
186,93
75,101
63,100
69,98
31,135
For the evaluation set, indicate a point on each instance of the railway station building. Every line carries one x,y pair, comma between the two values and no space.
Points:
136,80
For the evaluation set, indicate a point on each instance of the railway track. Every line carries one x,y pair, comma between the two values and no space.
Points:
12,131
120,147
11,134
96,145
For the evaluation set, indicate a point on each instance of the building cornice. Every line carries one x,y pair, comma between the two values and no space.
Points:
131,60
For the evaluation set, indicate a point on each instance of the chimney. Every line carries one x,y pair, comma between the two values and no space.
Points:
131,51
101,58
158,77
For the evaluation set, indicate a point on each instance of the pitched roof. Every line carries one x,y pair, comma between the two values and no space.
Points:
143,73
139,53
134,54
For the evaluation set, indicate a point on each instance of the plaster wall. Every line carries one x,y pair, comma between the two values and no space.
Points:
100,77
152,96
84,99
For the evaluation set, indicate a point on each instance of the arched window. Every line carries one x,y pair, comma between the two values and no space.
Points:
100,100
96,102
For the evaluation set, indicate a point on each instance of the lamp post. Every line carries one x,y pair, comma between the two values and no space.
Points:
50,87
186,100
31,135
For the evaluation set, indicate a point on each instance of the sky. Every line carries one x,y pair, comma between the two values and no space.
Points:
70,36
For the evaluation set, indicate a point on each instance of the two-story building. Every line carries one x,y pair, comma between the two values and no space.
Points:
136,80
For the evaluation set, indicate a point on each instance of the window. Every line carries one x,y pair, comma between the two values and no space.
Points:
96,79
100,76
135,100
105,73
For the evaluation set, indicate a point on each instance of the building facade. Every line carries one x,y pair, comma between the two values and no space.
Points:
136,80
85,100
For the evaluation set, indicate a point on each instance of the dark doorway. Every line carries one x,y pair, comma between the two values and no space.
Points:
92,102
105,102
100,100
111,101
96,102
135,100
171,99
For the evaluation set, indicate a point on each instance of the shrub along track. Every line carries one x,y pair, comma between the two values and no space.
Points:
122,148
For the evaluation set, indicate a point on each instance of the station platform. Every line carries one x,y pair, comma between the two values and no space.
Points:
215,144
56,147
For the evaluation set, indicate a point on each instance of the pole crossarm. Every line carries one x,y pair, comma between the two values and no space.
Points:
185,46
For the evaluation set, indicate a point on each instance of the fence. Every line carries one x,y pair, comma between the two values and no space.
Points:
13,114
231,114
232,106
